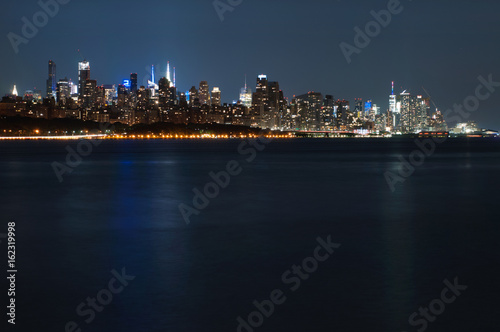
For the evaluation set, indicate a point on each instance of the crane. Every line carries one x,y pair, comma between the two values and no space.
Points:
432,100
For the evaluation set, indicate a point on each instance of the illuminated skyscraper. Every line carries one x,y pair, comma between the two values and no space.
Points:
408,112
204,93
260,100
194,99
246,95
359,108
63,91
309,110
83,76
51,81
89,93
393,110
216,96
327,113
14,91
168,73
73,87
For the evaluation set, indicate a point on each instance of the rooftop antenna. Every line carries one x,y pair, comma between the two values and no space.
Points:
83,59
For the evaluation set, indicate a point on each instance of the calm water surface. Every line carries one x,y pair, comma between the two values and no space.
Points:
119,209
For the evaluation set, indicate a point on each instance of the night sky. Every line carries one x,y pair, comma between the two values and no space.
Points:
441,45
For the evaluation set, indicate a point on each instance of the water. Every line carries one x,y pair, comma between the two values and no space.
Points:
119,209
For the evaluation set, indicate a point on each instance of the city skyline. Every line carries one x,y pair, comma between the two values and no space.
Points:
303,58
266,108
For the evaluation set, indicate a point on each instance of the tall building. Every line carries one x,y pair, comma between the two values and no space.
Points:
246,96
309,109
204,93
122,95
168,73
342,112
216,96
194,98
51,81
407,112
359,108
392,109
63,91
133,83
423,114
328,113
83,76
73,88
89,93
14,91
260,101
277,106
110,93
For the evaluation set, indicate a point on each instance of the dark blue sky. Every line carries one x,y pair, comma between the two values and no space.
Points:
441,45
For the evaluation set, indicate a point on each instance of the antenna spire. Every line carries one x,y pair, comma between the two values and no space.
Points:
168,72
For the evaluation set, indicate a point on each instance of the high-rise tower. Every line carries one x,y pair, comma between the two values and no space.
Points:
246,95
83,76
168,72
393,110
174,77
133,82
216,96
204,94
51,81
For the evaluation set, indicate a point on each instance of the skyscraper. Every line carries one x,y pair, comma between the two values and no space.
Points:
204,93
83,76
309,110
327,113
407,112
168,73
14,91
194,99
51,81
246,95
392,108
216,96
133,82
63,91
89,93
260,100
